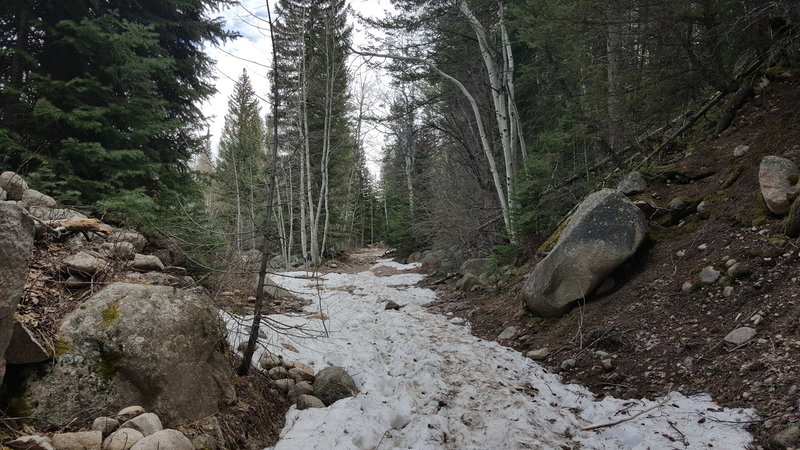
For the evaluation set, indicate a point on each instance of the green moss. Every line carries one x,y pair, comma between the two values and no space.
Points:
61,347
18,407
755,216
553,239
110,362
111,314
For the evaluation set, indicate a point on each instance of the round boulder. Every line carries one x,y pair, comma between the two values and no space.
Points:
334,383
155,346
604,231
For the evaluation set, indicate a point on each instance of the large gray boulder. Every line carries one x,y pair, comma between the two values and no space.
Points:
16,245
778,178
13,184
604,231
154,346
333,383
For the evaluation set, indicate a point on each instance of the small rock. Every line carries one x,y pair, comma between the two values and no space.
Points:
122,439
633,183
392,305
32,197
740,335
309,401
538,354
778,179
688,362
105,425
276,373
789,437
13,184
82,440
333,265
756,319
738,270
727,291
146,263
119,250
567,364
688,287
602,354
606,286
608,364
792,390
740,150
31,443
709,275
298,375
83,263
680,253
134,237
676,204
303,388
704,209
334,383
508,333
24,347
702,247
129,413
730,262
268,361
285,384
164,440
147,424
467,282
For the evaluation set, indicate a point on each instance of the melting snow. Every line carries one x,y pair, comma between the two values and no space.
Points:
427,383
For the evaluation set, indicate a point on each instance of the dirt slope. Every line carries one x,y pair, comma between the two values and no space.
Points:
659,337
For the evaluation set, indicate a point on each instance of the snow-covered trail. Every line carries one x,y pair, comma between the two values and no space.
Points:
427,383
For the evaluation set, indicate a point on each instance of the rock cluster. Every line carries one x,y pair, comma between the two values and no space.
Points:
130,429
303,387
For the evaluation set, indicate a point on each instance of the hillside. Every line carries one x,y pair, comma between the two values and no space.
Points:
654,335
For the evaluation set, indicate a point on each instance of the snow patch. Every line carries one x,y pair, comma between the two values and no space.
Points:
426,383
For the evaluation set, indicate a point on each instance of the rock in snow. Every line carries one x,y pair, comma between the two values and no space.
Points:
423,380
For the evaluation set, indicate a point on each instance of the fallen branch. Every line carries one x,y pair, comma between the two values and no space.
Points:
617,422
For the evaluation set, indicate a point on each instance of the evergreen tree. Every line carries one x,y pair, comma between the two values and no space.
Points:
240,186
99,101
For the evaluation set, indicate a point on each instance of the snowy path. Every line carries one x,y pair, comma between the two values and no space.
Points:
426,383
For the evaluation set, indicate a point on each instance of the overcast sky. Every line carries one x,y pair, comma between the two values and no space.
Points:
252,51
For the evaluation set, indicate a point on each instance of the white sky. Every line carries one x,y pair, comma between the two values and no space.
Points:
252,51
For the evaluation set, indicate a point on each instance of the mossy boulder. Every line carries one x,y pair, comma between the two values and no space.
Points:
604,231
154,346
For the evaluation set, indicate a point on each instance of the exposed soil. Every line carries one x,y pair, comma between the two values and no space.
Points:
658,337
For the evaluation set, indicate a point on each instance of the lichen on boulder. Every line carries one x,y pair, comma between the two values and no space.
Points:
156,346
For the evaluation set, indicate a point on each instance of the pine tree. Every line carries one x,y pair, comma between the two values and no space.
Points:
239,177
99,102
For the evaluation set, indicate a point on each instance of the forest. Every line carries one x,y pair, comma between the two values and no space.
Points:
499,117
